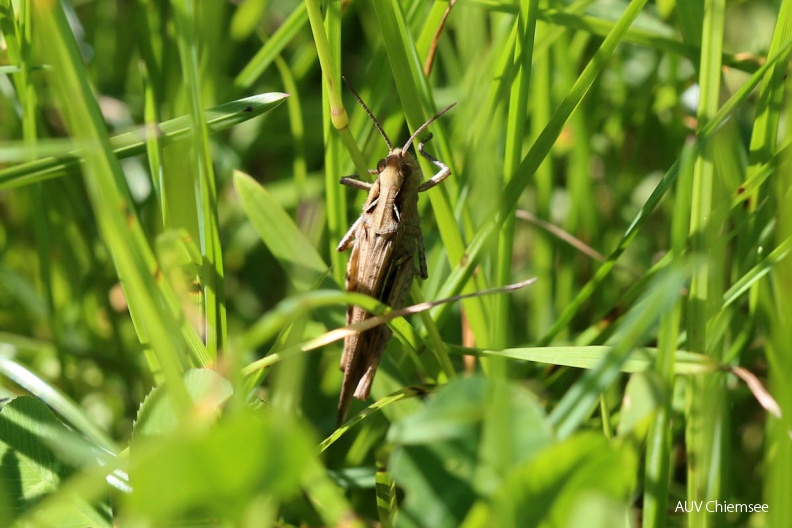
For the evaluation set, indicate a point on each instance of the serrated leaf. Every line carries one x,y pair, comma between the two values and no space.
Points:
207,389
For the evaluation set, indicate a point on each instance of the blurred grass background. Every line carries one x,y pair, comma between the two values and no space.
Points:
169,219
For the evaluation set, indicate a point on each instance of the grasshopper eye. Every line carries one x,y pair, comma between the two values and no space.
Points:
406,170
381,165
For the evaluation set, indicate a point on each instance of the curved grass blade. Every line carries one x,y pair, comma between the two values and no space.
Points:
668,179
406,392
61,404
133,142
646,31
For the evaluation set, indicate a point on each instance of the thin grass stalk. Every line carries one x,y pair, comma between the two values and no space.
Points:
515,133
658,446
151,68
19,41
778,431
583,218
705,405
205,186
763,148
541,315
335,115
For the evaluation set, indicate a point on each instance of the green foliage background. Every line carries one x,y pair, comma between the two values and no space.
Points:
169,280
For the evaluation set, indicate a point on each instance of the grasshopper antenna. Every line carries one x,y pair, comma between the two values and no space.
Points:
366,108
423,127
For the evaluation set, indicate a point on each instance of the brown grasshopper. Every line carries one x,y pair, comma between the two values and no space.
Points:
384,240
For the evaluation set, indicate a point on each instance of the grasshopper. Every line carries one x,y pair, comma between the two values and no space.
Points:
384,241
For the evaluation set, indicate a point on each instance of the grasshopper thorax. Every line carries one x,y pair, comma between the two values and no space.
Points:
398,168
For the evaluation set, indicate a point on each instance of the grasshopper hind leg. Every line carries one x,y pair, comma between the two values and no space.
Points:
422,269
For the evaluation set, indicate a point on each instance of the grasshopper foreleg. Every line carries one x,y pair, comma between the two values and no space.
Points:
351,181
355,183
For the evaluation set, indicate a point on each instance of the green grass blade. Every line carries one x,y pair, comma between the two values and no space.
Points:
515,131
708,130
577,403
659,442
272,48
589,357
54,398
418,107
539,151
205,186
706,413
289,246
110,199
133,143
778,446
